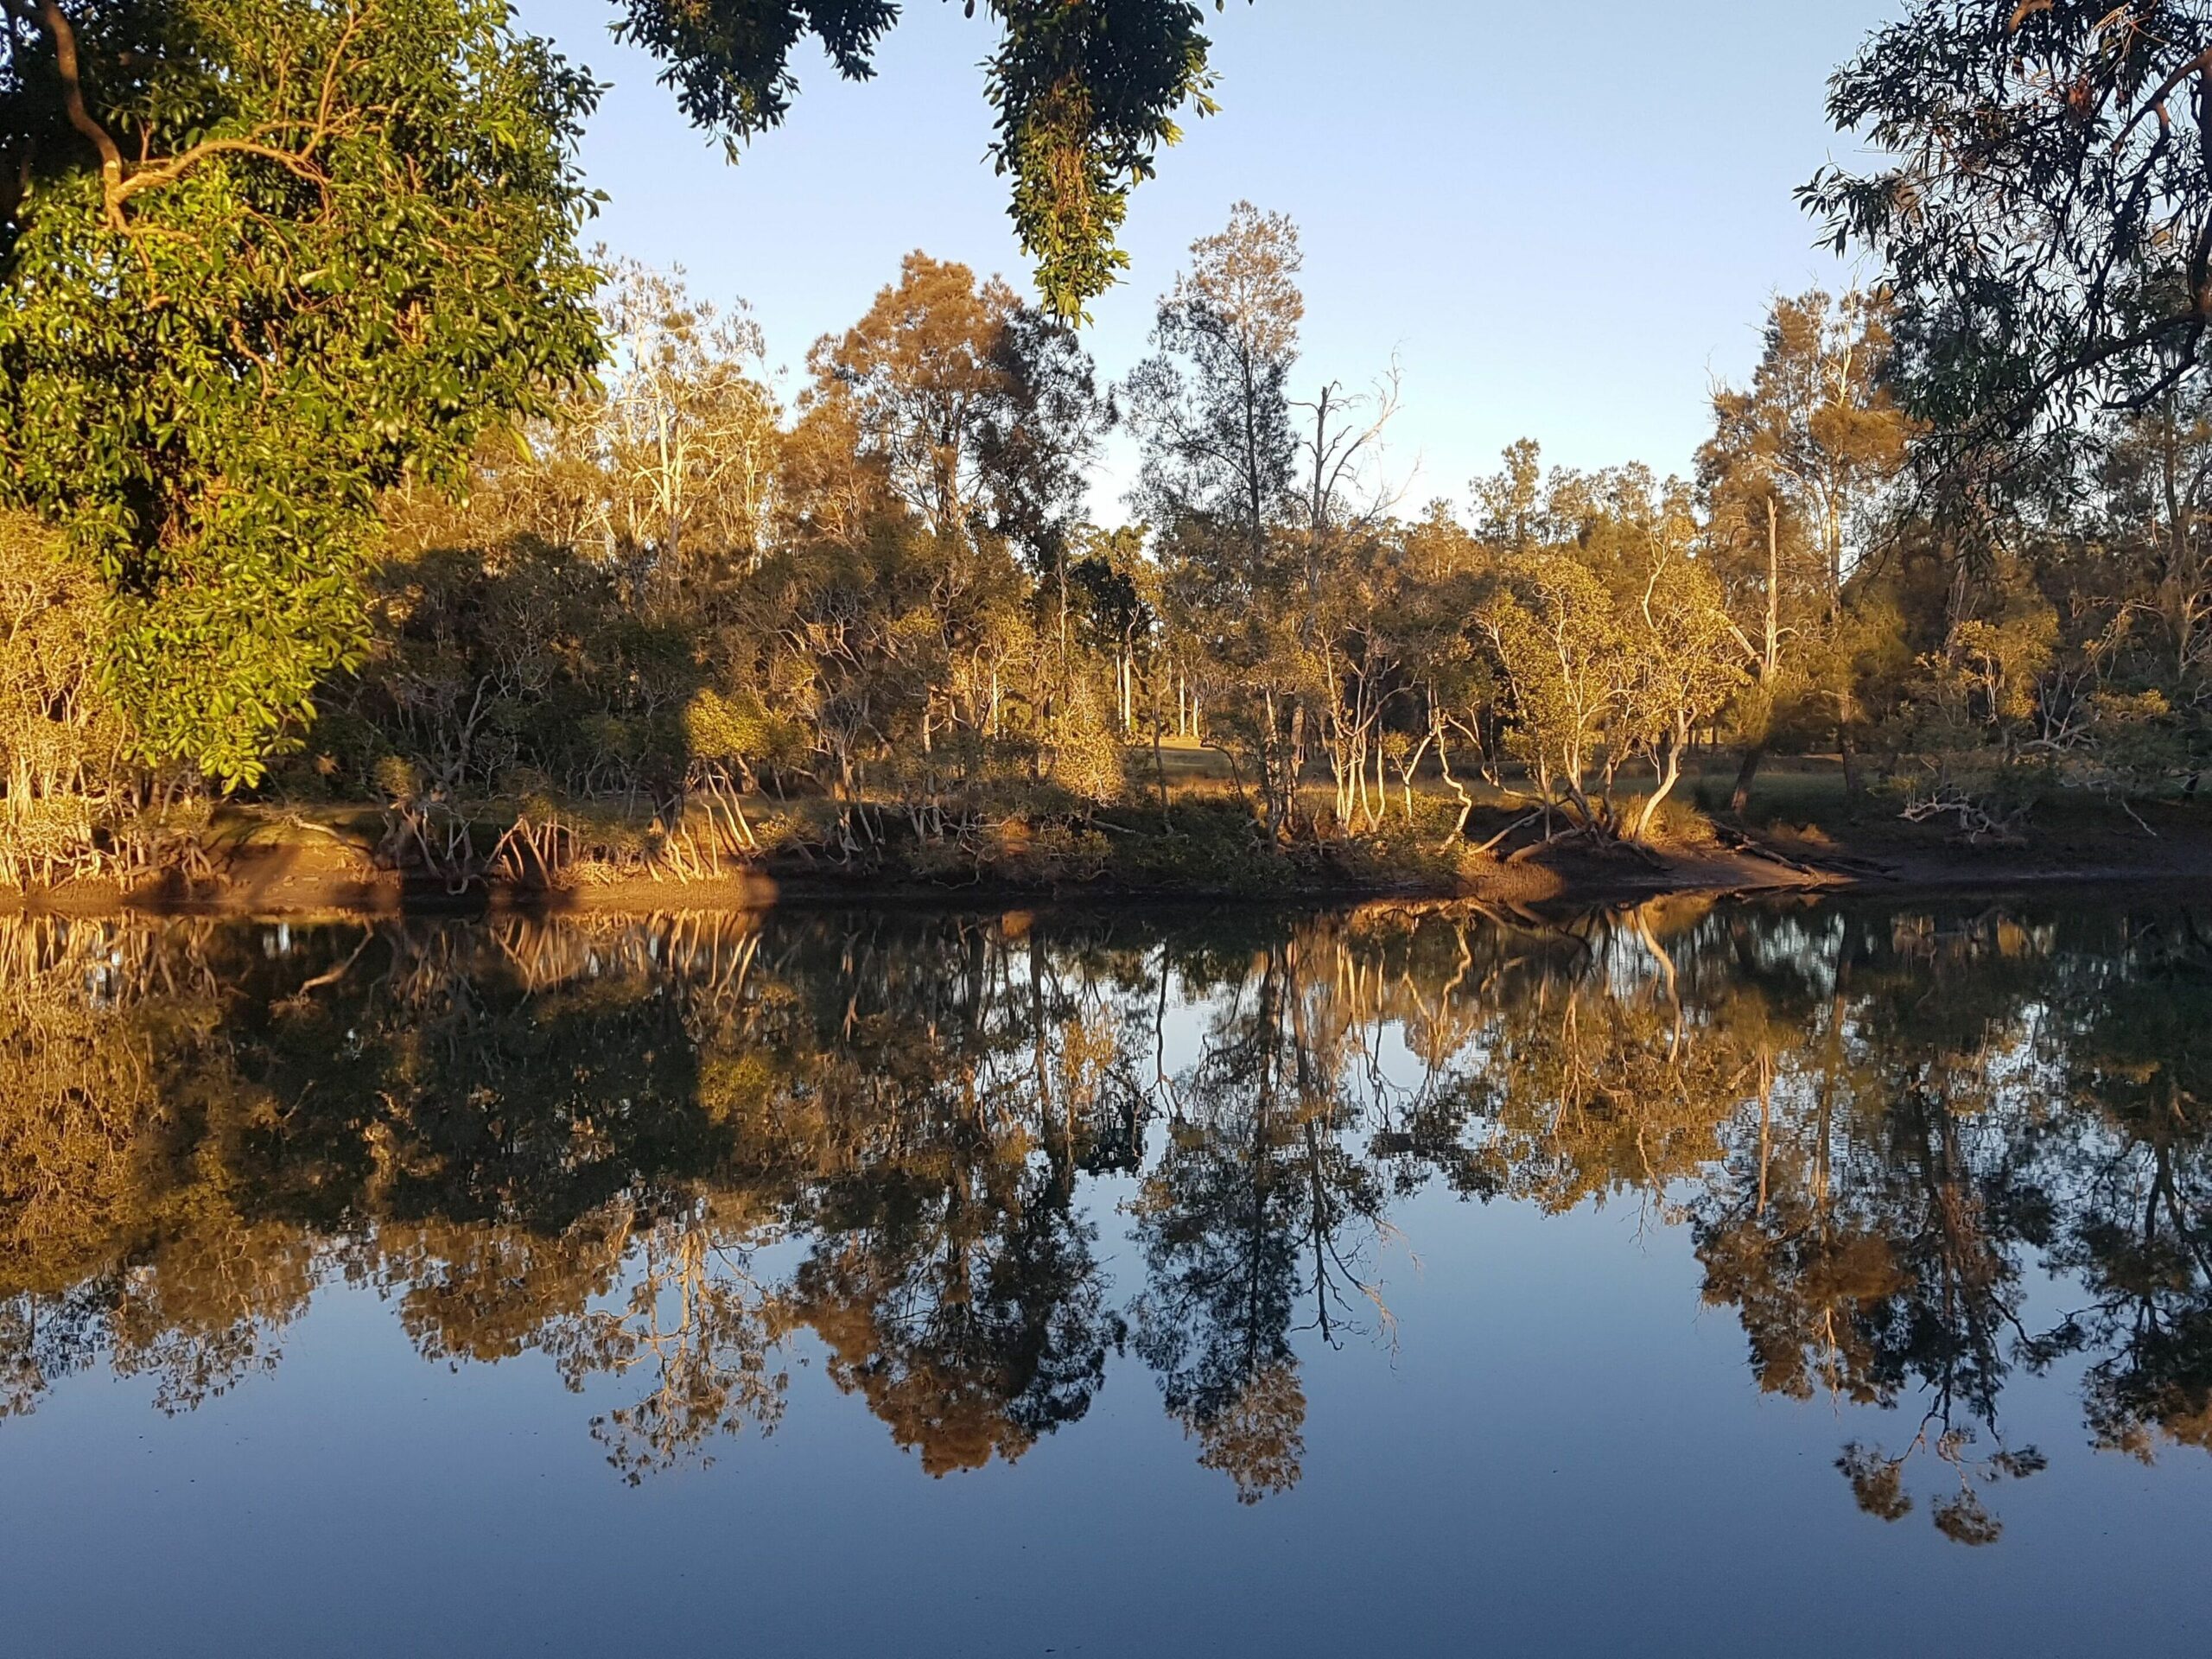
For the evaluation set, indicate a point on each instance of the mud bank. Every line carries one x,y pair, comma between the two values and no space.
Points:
324,878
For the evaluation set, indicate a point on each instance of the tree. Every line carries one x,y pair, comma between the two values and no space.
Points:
1798,467
1445,572
1563,660
2044,208
980,416
1608,640
687,434
274,258
67,784
1354,595
1119,590
2155,478
1212,409
1212,405
1682,665
1508,502
1756,538
1085,90
920,375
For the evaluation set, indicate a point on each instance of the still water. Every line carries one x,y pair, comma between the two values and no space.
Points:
1802,1279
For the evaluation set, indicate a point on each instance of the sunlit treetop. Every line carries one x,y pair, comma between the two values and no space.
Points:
1086,93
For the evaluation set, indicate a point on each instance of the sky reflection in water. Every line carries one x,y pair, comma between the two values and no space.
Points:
1812,1278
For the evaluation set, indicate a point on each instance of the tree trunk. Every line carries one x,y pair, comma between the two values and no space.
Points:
1771,661
1270,764
1740,797
1159,765
1670,774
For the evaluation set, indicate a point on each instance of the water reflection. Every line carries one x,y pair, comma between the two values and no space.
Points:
664,1153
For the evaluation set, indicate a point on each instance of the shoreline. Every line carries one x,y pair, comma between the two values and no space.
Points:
290,882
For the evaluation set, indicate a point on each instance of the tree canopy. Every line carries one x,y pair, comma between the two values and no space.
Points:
285,281
265,260
2042,201
1086,92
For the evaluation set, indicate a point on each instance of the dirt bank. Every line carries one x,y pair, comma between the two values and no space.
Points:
319,874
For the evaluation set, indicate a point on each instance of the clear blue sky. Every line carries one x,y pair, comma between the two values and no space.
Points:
1564,221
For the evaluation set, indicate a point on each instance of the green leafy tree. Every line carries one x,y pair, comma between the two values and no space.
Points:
1086,92
2044,203
265,260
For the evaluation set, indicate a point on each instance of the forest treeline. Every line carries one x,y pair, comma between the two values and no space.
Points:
683,623
668,1159
327,475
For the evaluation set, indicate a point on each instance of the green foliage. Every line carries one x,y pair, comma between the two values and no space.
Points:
739,731
1086,92
347,252
730,62
1086,96
1562,654
500,662
2045,224
74,801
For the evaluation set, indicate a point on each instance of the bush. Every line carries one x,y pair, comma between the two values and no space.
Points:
76,797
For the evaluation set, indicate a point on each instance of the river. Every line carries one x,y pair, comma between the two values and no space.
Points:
1810,1277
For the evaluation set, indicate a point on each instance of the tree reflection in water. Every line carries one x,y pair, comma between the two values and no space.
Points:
664,1152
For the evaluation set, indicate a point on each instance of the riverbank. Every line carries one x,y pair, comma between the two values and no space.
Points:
265,861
